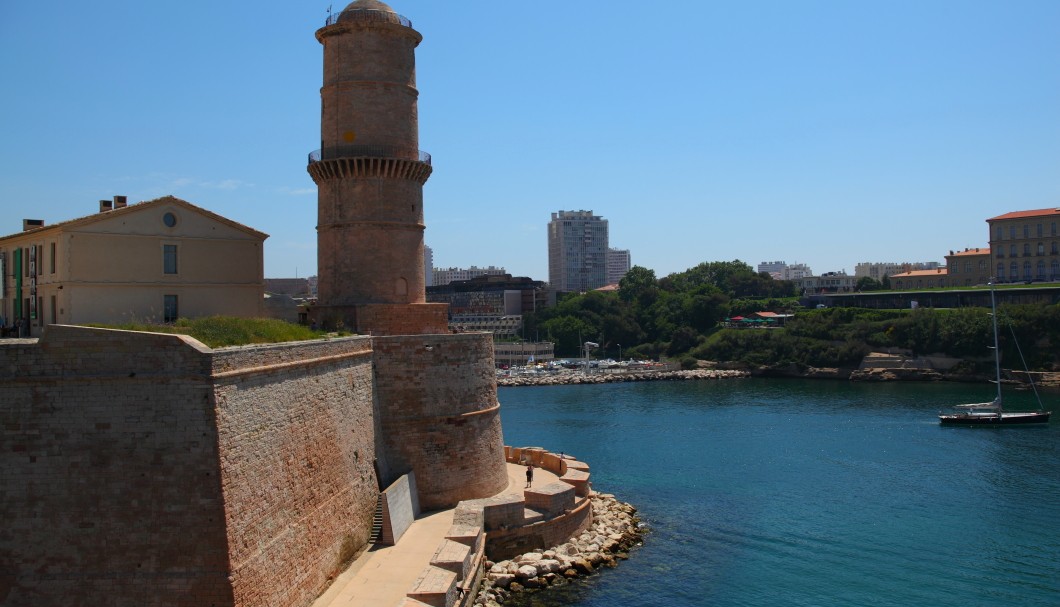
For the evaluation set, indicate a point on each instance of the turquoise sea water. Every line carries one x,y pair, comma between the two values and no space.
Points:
790,492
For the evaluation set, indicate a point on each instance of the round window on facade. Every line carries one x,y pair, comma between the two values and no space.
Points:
169,219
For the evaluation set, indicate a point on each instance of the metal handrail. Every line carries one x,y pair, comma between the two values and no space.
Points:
369,151
370,15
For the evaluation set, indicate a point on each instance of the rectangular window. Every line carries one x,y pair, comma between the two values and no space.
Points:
40,259
169,308
1040,230
169,259
54,311
53,259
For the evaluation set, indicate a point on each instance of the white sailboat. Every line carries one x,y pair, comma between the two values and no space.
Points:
992,413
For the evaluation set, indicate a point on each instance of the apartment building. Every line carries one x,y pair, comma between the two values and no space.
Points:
618,264
577,251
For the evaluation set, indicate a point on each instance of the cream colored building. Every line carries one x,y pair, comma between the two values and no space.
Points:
1025,245
152,261
920,279
969,267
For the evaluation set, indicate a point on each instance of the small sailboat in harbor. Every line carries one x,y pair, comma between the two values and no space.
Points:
992,413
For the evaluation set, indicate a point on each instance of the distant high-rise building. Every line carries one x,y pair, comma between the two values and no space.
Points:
444,276
618,263
577,251
773,268
428,266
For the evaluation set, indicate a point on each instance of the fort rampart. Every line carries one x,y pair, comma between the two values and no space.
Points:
440,418
151,470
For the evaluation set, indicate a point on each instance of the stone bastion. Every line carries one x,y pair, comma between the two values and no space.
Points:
148,469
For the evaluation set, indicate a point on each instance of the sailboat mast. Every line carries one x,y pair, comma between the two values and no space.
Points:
997,350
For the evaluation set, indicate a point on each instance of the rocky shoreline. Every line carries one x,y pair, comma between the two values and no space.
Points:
580,377
1046,380
614,531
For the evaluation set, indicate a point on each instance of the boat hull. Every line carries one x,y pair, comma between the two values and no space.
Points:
993,419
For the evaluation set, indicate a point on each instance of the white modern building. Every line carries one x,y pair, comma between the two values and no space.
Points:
577,251
444,276
773,268
829,282
795,271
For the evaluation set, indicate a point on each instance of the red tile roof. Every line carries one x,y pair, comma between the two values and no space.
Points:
912,273
1024,214
977,251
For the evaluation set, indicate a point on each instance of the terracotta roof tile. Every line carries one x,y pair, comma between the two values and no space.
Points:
1025,214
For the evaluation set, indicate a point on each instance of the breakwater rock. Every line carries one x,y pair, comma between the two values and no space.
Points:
614,531
561,379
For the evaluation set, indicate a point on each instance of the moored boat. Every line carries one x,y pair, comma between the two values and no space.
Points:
992,413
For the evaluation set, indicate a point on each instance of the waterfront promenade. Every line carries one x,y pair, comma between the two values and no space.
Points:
382,575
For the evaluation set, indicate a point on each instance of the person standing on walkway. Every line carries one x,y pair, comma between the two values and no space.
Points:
529,474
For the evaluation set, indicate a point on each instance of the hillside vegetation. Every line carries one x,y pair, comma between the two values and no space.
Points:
679,316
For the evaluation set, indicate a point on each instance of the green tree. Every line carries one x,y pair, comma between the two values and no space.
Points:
868,283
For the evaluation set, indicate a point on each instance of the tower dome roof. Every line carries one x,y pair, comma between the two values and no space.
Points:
371,11
367,5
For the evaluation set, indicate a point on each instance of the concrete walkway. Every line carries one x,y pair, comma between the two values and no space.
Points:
383,574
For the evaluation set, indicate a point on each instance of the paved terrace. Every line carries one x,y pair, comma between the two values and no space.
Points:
383,575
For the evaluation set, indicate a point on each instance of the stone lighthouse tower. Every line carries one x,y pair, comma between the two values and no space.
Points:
369,174
435,393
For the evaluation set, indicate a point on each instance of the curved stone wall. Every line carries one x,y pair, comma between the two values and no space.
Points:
437,403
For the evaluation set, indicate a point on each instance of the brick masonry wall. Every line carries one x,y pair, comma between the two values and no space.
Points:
111,489
297,435
437,398
386,319
146,469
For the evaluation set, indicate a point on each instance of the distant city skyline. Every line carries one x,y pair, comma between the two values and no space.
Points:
829,132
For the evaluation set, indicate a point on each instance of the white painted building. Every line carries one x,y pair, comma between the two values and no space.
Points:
796,271
444,276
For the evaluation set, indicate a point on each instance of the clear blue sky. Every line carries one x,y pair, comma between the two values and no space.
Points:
821,132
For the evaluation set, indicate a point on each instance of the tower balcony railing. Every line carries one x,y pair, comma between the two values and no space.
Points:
368,151
370,16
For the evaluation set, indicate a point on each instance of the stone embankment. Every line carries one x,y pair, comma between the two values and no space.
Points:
614,531
557,379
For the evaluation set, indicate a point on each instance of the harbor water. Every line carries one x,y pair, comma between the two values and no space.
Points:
762,492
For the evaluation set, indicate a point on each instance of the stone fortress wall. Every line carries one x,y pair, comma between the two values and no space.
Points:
111,472
440,416
152,470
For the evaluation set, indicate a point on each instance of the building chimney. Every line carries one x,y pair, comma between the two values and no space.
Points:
120,202
32,224
105,205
